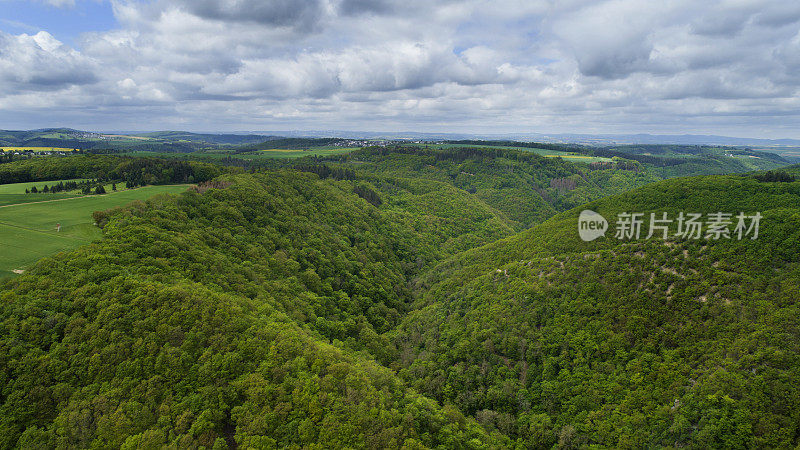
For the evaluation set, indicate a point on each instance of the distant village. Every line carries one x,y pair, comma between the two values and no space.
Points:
29,152
349,143
383,142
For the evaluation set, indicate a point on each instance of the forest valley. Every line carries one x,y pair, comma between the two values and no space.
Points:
408,297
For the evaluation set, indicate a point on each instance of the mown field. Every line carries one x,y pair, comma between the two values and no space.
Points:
14,193
28,230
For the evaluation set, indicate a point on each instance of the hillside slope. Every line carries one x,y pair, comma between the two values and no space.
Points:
522,188
623,343
242,314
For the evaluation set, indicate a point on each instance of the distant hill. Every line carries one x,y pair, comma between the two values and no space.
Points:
221,139
163,141
588,139
291,143
184,142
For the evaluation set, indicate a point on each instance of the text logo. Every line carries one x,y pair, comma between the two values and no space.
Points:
591,225
714,226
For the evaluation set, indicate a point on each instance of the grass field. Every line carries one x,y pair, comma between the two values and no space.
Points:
28,231
19,188
14,193
37,149
16,199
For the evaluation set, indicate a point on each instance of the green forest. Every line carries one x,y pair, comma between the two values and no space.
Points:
409,297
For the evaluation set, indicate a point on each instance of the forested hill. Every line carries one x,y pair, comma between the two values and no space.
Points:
520,187
623,343
250,313
138,171
347,303
525,188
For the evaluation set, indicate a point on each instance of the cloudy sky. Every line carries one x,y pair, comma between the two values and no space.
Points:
578,66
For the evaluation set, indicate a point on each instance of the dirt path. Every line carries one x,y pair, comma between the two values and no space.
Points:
47,201
57,234
92,195
82,196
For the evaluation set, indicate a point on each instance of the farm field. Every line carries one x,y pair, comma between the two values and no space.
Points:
19,188
28,231
14,193
37,149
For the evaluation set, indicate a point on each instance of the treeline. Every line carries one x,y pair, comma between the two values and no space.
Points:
61,186
775,176
86,187
457,154
658,161
542,145
324,171
133,171
46,169
290,143
143,171
103,147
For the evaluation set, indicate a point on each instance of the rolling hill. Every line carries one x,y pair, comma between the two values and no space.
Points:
231,315
387,299
622,343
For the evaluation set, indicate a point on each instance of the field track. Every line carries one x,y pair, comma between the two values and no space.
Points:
55,200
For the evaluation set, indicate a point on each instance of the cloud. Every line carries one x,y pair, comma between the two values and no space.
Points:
60,3
516,65
39,62
386,68
356,7
299,14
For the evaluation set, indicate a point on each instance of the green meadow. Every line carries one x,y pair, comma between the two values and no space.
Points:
14,193
28,230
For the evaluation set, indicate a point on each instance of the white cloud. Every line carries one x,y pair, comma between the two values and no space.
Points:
60,3
40,62
579,65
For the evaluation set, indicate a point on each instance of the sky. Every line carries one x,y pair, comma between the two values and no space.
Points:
482,67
